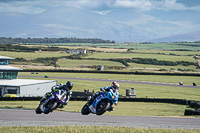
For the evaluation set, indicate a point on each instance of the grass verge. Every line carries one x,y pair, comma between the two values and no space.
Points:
92,129
122,109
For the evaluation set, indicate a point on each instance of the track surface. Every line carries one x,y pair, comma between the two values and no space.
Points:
18,117
120,81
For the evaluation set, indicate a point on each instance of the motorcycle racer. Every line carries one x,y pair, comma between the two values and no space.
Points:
114,88
65,89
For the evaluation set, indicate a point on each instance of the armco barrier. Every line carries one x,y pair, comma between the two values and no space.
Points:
82,94
191,112
157,100
84,98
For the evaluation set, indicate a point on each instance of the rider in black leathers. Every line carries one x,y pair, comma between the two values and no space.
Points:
65,88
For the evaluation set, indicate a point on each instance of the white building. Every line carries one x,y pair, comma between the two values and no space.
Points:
9,84
77,51
26,87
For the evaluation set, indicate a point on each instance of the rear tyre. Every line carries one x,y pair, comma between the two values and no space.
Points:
50,106
85,110
38,110
102,107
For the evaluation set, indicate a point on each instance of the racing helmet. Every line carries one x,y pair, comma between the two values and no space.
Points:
69,85
115,85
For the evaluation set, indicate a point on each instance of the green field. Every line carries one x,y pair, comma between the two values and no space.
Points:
147,67
169,52
67,63
140,55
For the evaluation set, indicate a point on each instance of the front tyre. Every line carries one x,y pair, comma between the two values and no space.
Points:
85,110
102,107
38,110
50,106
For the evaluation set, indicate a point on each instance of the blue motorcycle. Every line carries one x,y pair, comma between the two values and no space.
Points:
100,104
53,102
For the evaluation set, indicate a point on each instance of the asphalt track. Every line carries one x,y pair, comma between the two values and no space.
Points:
120,81
20,117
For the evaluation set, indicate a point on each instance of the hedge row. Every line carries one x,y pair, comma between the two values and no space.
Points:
124,99
113,72
195,105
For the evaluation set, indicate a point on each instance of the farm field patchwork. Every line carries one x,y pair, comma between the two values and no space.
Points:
149,46
91,64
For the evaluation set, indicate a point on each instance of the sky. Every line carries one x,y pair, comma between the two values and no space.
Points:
100,6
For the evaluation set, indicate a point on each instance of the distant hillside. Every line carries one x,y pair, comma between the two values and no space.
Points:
66,22
118,25
190,37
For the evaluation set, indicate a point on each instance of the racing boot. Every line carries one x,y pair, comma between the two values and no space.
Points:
111,108
62,106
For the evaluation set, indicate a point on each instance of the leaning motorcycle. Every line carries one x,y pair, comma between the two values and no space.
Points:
53,102
100,104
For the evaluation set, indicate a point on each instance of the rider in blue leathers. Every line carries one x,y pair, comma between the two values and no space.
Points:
114,88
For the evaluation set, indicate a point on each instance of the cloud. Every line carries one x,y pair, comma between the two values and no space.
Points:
139,4
7,7
144,5
37,6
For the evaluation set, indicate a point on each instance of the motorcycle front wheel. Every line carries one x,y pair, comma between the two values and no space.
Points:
50,106
38,110
102,107
85,110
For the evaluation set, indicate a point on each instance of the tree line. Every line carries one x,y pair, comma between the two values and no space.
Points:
9,40
19,48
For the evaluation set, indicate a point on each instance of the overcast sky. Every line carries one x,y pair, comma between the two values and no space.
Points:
38,6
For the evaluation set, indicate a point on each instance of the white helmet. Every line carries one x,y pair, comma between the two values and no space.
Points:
115,85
